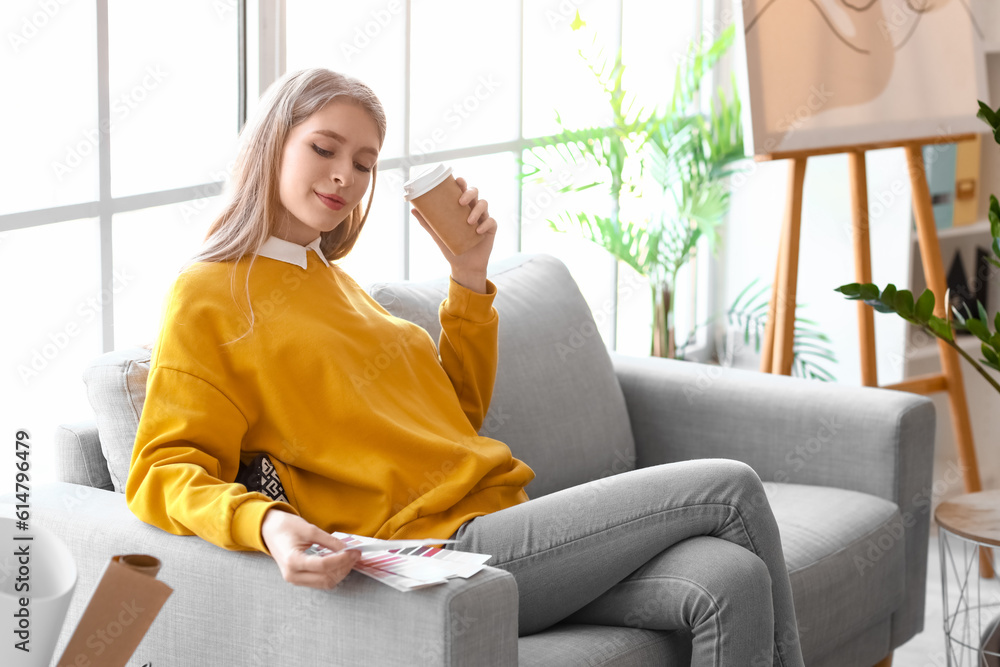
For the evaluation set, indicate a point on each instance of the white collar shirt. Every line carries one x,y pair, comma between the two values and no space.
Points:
293,253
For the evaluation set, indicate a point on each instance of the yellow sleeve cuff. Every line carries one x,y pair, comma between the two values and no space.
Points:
469,304
248,518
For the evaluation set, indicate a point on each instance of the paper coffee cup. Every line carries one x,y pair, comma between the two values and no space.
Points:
434,193
44,576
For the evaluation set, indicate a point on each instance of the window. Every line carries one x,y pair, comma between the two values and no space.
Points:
121,157
110,182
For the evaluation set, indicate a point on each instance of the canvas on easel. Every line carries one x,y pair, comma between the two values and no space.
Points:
831,73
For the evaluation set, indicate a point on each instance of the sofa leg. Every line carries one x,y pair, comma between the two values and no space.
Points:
885,662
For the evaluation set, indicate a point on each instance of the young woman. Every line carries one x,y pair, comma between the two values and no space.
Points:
264,362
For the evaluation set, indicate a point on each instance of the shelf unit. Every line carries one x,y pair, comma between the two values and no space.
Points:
963,239
921,351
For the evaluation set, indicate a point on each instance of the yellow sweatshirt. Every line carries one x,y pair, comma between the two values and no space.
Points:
369,429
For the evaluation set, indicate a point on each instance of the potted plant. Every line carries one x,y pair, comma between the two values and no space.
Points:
746,319
920,312
688,155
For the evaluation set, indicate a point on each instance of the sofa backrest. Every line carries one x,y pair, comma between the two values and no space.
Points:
556,402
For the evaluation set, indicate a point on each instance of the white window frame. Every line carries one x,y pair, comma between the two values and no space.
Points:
262,44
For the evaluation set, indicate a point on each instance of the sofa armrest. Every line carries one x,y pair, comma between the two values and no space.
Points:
234,608
876,441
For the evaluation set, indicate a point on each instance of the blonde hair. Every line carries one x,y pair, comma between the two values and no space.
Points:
254,210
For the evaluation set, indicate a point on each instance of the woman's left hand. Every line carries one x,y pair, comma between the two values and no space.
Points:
473,261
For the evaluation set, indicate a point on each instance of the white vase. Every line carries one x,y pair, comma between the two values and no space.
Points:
37,579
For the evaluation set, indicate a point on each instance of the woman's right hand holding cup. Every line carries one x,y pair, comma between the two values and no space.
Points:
287,537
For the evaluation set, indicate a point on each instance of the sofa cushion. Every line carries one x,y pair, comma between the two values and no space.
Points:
578,645
79,457
556,402
116,388
845,556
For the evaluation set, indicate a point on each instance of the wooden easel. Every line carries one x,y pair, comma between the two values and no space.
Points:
779,332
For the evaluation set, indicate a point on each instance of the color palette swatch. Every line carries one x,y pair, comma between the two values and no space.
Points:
408,565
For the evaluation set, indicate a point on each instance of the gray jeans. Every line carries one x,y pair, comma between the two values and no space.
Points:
689,545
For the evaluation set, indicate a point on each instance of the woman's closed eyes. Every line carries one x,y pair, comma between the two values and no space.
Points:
325,153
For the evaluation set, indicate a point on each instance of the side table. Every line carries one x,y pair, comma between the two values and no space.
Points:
969,530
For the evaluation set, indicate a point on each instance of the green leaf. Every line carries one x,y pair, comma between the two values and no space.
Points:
996,323
988,115
990,354
869,292
983,315
925,307
994,216
939,327
889,296
978,329
854,290
904,304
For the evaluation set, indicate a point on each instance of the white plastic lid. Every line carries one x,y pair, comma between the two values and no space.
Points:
425,181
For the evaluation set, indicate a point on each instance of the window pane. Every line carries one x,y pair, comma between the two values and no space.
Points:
590,264
173,77
635,313
463,73
365,40
556,77
378,254
176,232
57,314
494,176
655,38
49,117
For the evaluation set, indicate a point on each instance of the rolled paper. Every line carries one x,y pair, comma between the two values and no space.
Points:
127,600
144,563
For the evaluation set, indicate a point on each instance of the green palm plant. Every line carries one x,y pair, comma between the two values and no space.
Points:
920,312
688,155
748,315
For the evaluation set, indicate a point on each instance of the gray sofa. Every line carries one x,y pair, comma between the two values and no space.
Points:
847,472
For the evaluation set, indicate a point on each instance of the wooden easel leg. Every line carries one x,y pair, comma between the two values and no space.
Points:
784,295
767,350
885,662
930,255
858,177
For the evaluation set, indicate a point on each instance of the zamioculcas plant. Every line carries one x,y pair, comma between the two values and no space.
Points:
920,312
